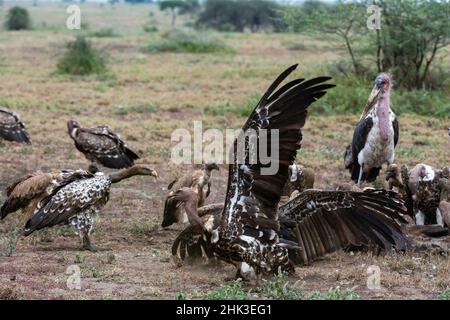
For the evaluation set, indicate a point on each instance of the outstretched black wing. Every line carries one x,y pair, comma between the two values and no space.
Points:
12,128
322,222
252,195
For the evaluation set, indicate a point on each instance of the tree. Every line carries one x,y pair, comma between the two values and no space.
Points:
178,7
411,35
237,15
18,19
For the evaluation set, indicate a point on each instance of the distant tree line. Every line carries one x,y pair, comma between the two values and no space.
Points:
238,15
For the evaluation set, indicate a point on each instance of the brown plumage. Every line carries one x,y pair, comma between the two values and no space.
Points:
101,146
12,128
199,181
30,189
313,224
69,197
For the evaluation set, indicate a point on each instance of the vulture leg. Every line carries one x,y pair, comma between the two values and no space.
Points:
439,219
83,224
420,218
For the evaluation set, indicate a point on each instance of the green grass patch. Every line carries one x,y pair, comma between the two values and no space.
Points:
188,42
233,291
102,33
444,295
278,288
334,294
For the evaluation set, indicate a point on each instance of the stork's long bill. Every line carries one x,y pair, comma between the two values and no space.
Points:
380,100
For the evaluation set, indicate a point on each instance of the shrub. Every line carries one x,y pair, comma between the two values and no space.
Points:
334,294
103,33
233,291
81,59
279,289
18,19
188,42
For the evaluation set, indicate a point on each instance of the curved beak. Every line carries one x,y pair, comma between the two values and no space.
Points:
154,174
373,98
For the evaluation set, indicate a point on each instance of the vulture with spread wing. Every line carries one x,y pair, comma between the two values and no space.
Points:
376,135
199,181
70,197
12,128
101,146
251,233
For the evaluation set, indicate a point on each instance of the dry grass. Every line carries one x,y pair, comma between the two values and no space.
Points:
178,87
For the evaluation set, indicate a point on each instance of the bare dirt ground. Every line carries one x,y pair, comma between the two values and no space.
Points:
149,97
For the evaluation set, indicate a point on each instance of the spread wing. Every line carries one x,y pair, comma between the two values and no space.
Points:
12,128
106,147
253,196
65,202
322,222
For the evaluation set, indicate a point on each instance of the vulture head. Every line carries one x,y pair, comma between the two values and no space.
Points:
211,166
72,125
382,84
189,198
393,172
131,172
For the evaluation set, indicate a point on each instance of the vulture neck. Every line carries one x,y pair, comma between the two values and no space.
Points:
126,173
382,110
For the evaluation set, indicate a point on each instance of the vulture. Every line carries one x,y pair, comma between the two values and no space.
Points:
12,128
425,186
375,137
300,179
27,191
247,232
199,181
313,224
69,198
101,146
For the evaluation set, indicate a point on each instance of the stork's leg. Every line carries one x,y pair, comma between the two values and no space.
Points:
361,169
439,219
420,218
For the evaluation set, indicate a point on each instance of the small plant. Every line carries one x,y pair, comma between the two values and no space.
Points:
18,19
8,293
181,295
334,294
444,295
103,33
8,242
233,291
81,58
278,288
188,42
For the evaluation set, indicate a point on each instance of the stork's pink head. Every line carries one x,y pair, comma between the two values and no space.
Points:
383,82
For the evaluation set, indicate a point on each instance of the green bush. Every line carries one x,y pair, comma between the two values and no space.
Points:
188,42
233,291
103,33
334,294
278,288
81,58
18,19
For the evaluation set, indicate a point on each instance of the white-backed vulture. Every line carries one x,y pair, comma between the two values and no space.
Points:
101,146
74,200
199,181
12,128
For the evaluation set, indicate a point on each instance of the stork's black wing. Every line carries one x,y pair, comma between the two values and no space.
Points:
396,131
359,141
325,221
253,192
